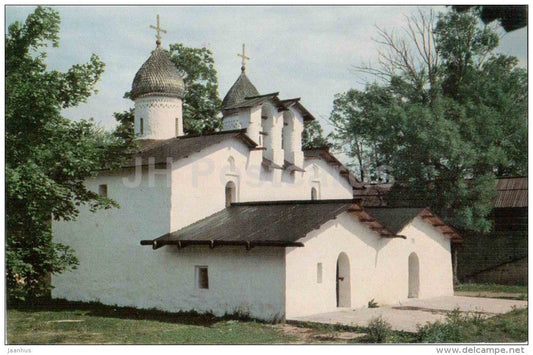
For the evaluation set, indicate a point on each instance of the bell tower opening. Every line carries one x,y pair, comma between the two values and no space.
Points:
231,193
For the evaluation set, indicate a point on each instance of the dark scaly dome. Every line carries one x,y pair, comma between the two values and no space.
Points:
158,76
242,88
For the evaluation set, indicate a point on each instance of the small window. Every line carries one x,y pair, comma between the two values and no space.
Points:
102,190
202,278
231,162
141,129
313,194
319,273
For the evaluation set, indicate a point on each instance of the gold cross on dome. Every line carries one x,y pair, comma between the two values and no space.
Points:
244,57
159,30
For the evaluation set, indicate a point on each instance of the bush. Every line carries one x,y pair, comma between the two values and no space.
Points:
379,330
449,331
372,304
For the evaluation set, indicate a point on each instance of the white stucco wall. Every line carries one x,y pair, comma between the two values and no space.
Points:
115,269
250,282
249,118
198,182
378,266
293,125
434,254
113,266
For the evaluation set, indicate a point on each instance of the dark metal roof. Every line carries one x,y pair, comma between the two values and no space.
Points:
241,89
157,76
307,116
252,101
270,164
279,223
287,165
332,160
281,105
372,195
181,147
396,218
283,223
512,192
303,111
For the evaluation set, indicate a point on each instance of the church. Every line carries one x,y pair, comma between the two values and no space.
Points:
243,220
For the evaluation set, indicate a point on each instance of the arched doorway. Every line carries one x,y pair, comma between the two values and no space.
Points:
314,194
231,194
343,281
414,276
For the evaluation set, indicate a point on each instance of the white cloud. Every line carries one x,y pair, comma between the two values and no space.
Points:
301,51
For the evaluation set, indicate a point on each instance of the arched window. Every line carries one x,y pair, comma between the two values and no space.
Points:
286,132
267,123
314,194
231,193
414,276
231,162
316,172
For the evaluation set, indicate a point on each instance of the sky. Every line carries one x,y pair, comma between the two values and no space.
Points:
298,51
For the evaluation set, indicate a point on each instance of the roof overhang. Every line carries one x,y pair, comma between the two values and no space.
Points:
253,101
156,244
372,223
288,103
329,158
448,231
281,105
238,225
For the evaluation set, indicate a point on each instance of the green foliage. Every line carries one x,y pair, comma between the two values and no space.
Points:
126,125
48,157
490,287
201,106
445,124
379,331
475,327
449,331
373,304
313,136
511,17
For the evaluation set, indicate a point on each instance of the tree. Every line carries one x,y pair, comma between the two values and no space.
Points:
313,136
201,106
445,114
48,157
511,17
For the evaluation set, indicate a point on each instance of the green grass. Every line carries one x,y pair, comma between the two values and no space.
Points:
97,324
471,287
471,328
79,323
506,328
459,327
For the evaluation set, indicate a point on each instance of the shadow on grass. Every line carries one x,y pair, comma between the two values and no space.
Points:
100,310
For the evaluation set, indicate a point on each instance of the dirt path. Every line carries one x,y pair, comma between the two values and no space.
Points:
316,336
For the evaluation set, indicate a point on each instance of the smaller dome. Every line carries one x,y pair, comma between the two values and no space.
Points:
242,88
157,76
